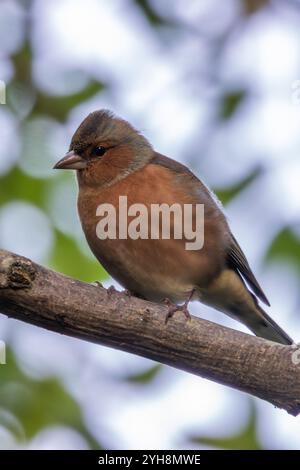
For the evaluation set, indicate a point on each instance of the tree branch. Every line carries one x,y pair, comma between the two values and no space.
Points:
36,295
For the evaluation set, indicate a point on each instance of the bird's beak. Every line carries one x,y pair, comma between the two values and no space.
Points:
71,161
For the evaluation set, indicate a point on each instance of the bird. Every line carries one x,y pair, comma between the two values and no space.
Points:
113,159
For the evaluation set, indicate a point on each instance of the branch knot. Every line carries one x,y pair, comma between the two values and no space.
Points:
16,273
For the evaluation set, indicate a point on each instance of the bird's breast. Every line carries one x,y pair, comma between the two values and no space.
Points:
153,268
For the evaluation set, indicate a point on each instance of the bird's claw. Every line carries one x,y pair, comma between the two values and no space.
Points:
128,293
97,284
173,308
111,290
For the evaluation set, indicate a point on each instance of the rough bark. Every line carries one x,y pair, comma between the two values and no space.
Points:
36,295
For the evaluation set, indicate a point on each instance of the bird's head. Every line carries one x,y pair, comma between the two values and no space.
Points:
105,149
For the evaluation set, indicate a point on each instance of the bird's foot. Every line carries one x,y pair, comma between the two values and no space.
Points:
173,308
111,290
179,308
97,284
128,293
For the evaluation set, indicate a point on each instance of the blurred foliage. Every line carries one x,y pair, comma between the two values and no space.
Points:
34,404
285,247
57,107
252,6
246,439
66,257
227,194
38,403
151,14
16,185
230,102
145,376
60,106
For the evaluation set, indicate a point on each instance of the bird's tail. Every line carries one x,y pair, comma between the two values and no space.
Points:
267,328
229,294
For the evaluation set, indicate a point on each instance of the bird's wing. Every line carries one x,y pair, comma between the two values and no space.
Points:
171,164
208,196
236,259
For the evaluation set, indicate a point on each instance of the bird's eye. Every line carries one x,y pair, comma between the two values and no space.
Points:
99,151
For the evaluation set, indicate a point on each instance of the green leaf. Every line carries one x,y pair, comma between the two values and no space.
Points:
68,259
59,107
9,422
152,16
285,247
230,102
22,61
227,194
18,185
146,376
39,403
246,439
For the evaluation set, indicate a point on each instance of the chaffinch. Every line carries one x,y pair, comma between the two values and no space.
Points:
114,160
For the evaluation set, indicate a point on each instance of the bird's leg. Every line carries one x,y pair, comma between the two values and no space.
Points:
173,308
111,290
128,293
97,284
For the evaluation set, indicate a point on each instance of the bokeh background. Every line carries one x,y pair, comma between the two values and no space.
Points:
213,84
